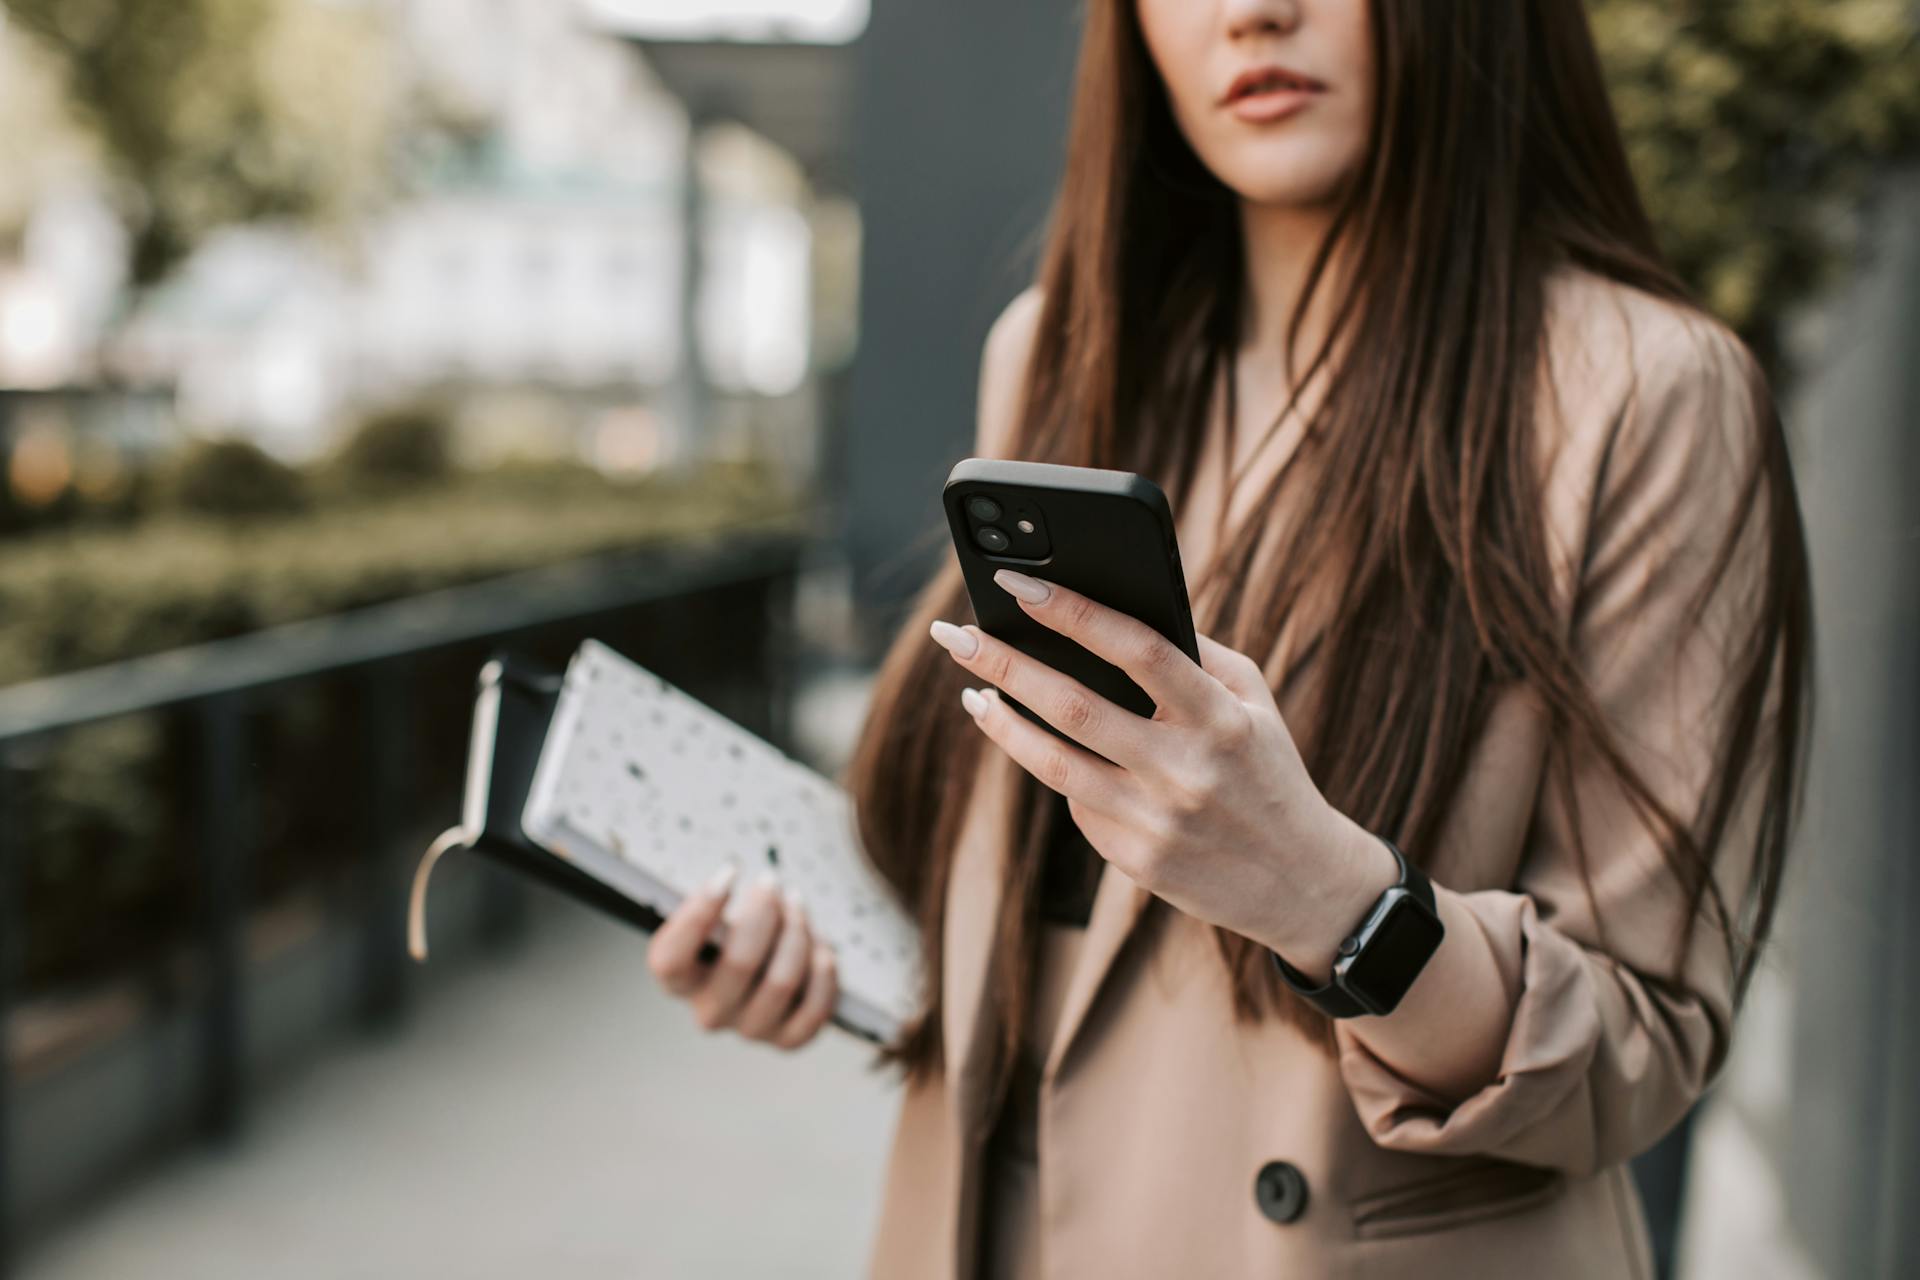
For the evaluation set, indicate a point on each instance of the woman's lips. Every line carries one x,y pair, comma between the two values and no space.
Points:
1265,94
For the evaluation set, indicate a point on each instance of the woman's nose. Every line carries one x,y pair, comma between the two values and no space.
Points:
1261,17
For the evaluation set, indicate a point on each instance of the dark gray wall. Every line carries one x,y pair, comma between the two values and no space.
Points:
1851,1163
960,113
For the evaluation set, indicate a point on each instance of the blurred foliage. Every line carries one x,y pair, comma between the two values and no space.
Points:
400,447
212,112
235,479
83,596
1756,129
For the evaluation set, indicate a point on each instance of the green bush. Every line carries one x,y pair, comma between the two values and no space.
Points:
87,596
1757,128
232,480
399,448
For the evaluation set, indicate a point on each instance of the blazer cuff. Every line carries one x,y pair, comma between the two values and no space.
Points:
1534,1110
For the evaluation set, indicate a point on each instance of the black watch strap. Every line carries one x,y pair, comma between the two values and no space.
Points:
1329,996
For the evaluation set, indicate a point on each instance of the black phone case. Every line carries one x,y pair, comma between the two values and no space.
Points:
1112,536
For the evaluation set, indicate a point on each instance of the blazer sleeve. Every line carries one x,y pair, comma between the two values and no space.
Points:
1614,1032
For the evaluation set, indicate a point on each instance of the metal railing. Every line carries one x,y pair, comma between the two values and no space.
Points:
214,685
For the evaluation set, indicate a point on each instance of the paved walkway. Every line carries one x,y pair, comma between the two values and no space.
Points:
548,1113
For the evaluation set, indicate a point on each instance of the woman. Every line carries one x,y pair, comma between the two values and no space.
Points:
1499,563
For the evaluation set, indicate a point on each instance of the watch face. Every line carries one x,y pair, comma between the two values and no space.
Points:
1392,955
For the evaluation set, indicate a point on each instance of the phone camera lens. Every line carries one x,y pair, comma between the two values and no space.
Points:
991,538
983,507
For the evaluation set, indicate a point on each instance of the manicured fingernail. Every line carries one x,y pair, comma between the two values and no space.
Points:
955,640
718,883
766,883
794,905
974,701
1032,590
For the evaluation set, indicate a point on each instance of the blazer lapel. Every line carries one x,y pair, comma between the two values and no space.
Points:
1118,904
975,891
975,887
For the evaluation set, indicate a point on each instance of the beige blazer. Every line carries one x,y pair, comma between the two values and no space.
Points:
1159,1114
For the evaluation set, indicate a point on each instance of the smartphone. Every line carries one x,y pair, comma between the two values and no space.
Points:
1107,534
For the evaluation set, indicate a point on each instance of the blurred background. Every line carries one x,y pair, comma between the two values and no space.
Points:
344,342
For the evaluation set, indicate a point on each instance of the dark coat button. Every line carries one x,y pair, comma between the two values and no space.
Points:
1281,1191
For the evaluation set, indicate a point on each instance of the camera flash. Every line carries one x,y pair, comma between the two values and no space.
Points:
1024,526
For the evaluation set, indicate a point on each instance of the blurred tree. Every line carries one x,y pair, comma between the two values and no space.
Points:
1756,128
211,112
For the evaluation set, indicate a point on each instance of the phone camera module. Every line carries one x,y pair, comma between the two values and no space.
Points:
992,539
983,508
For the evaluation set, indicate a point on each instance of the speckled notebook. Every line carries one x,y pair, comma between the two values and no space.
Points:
650,791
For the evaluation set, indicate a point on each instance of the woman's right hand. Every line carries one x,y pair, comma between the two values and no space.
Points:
771,982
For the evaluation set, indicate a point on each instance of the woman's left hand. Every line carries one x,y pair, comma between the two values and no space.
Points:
1208,803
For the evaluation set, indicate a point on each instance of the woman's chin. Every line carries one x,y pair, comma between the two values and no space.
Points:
1282,185
1290,200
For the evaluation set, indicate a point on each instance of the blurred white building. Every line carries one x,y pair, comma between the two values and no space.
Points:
542,248
61,289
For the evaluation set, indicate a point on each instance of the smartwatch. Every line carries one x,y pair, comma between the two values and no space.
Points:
1379,960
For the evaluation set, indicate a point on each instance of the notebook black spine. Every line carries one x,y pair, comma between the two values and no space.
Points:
508,750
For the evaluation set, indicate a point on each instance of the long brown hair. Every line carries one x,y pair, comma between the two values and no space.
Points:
1494,159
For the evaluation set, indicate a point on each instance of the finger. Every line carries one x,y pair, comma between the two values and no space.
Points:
1108,836
816,1002
1234,669
773,997
674,951
1178,686
1074,773
749,938
1056,697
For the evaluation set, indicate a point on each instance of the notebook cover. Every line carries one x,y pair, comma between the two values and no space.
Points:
649,790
